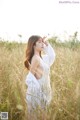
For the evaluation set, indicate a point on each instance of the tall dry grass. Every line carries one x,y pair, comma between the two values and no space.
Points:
65,82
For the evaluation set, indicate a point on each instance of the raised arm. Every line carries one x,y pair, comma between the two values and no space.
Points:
50,53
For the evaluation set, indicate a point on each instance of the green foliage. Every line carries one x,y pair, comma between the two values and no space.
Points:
72,43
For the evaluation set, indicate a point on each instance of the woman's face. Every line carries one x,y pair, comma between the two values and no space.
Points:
39,45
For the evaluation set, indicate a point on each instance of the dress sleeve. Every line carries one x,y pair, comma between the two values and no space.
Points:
49,58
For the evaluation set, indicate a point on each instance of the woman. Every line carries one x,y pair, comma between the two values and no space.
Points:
39,92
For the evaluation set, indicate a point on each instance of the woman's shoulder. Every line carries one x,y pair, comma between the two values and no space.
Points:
35,58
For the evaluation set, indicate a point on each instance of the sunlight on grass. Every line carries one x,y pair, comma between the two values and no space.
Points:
65,82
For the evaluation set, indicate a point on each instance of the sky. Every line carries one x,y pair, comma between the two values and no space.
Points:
40,17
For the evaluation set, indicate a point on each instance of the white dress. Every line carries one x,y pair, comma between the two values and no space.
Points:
39,93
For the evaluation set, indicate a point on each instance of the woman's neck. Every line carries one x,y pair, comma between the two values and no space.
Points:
36,53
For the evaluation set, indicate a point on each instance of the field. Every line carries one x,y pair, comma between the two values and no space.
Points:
65,81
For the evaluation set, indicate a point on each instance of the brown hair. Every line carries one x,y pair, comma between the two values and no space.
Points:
30,50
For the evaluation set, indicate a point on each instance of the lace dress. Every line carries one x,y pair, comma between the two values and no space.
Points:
39,93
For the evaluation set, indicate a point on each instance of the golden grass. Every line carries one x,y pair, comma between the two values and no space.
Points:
65,82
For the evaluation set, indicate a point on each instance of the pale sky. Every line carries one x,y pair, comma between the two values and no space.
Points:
27,17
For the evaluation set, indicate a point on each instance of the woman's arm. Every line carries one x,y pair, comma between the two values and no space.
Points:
34,65
50,53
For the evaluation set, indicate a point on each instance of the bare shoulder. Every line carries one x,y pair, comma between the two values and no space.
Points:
35,59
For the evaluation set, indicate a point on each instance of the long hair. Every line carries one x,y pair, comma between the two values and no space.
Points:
30,50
